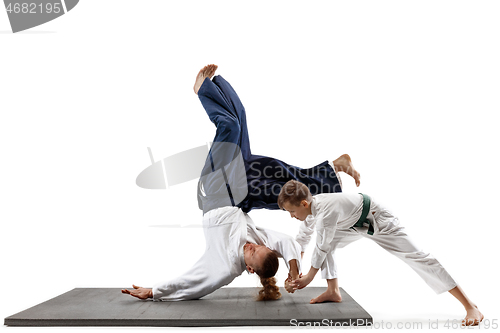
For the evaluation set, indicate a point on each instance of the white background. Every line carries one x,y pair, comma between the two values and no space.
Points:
410,89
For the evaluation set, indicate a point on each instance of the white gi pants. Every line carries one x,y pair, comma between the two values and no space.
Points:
392,237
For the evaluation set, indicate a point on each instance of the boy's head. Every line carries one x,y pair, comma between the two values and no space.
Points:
296,199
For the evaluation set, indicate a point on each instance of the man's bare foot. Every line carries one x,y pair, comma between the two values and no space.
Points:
344,164
328,296
473,318
207,71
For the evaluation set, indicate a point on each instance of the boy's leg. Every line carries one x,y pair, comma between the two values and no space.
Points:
474,316
397,242
424,264
332,293
341,239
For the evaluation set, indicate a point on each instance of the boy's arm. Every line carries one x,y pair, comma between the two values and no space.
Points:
303,281
306,230
326,222
326,227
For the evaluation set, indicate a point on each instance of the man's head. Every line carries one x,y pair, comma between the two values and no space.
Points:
296,199
261,260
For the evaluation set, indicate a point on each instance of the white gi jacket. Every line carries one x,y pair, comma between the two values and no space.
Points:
227,229
330,212
335,213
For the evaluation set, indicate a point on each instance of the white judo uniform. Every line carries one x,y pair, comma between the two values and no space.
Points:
227,230
334,214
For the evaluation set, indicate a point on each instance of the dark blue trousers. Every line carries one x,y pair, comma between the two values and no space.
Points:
264,175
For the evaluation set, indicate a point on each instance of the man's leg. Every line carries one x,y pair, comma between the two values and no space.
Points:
223,105
206,72
341,164
344,164
265,175
223,179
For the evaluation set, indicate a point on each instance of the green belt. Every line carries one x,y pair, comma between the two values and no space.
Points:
364,214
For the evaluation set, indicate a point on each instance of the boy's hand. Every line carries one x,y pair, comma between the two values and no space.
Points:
139,292
302,281
288,287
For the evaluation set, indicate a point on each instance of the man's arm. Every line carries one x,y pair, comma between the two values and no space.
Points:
294,269
288,248
139,292
292,275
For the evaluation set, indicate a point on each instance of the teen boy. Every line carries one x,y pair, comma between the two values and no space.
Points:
342,218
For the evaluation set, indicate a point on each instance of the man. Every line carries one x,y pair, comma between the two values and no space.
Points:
233,182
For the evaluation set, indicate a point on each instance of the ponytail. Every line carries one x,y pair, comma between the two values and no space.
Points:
269,291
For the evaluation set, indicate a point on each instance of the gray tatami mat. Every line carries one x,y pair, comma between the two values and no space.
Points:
225,307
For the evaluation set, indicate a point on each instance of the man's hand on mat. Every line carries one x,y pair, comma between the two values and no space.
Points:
301,282
139,292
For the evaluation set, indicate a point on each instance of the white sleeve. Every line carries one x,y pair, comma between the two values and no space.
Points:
284,244
207,275
326,225
306,230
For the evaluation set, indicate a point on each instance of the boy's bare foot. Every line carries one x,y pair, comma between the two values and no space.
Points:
207,71
344,164
473,318
328,296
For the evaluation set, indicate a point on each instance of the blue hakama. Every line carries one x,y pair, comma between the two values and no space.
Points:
230,160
